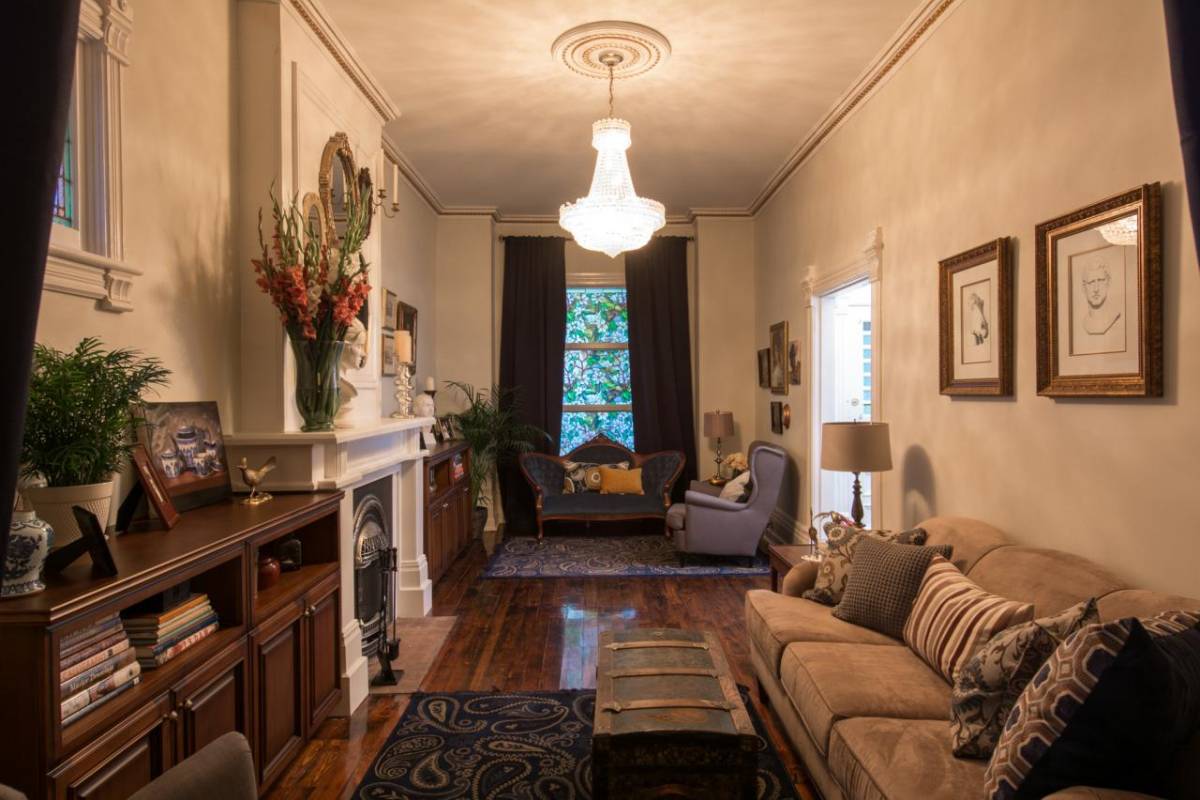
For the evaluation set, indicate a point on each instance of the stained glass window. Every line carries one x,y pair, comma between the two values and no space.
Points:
64,187
597,395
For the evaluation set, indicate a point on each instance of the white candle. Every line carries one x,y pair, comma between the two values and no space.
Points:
395,183
430,384
403,347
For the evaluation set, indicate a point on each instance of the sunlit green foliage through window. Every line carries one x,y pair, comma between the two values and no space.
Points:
597,393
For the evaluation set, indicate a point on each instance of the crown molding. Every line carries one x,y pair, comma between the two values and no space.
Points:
914,31
313,14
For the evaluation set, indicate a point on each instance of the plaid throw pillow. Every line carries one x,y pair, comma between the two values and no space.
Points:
989,684
952,618
837,555
885,579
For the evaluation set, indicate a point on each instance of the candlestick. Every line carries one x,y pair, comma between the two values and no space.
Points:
404,398
395,183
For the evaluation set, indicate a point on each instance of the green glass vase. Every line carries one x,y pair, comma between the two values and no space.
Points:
316,381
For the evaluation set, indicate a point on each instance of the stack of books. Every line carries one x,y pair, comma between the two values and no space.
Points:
157,637
96,664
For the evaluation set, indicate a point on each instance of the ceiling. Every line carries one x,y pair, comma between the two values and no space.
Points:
489,119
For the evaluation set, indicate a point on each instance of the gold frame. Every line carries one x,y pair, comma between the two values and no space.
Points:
338,147
1148,380
779,329
1000,251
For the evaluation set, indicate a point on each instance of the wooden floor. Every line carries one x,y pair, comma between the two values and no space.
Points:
525,635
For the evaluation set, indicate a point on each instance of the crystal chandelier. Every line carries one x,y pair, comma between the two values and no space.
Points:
612,218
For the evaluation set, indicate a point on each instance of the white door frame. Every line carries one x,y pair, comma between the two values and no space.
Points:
868,265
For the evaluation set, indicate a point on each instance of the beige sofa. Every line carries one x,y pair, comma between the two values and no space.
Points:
869,718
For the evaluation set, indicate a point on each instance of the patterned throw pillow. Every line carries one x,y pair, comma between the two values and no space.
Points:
837,554
584,477
1110,707
952,618
989,684
885,579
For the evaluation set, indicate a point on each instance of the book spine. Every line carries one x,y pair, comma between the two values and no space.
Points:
88,642
88,663
178,636
107,667
179,647
77,702
90,707
165,618
75,637
162,631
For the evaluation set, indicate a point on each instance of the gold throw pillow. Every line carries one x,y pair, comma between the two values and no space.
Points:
620,481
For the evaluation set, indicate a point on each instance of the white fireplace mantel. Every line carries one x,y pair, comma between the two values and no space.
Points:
346,459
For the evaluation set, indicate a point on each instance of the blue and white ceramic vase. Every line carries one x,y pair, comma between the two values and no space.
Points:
29,540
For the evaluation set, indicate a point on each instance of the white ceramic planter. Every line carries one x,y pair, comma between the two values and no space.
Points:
53,504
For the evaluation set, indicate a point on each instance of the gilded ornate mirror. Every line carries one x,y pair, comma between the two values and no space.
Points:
338,184
315,221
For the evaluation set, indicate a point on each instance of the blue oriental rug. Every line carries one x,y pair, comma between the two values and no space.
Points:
526,745
608,556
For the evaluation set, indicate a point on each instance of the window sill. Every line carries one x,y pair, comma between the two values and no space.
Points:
84,274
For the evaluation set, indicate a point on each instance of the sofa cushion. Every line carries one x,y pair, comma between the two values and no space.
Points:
831,681
884,583
594,503
677,516
837,555
900,759
970,538
1050,579
775,621
952,618
583,476
1141,603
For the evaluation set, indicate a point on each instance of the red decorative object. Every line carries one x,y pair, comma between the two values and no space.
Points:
268,571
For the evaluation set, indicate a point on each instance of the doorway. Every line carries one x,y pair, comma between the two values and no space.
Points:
842,391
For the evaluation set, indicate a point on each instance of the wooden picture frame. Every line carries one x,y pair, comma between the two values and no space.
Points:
156,493
389,310
186,450
387,353
776,416
764,368
779,359
794,362
406,320
1099,299
975,321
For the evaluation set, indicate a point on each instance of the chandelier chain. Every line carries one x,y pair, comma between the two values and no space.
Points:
610,90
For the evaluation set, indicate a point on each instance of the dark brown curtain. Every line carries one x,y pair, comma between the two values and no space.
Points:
42,62
660,351
533,332
1183,43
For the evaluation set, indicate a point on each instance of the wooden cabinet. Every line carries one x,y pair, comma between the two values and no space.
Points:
278,657
322,653
212,701
447,505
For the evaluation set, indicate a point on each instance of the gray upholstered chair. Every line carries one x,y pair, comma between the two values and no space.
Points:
223,768
713,526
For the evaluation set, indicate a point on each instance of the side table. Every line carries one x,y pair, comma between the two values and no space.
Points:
785,556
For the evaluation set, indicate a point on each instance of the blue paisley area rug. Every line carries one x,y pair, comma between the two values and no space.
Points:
510,746
608,556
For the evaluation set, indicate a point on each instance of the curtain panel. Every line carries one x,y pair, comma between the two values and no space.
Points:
1183,44
533,332
660,351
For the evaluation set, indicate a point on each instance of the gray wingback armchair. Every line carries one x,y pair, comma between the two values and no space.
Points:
714,526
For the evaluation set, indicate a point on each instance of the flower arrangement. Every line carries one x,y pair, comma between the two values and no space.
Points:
318,288
736,463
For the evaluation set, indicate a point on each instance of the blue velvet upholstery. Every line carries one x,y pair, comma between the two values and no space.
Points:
594,504
598,454
546,472
657,470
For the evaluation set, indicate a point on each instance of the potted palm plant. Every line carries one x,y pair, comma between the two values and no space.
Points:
491,427
79,427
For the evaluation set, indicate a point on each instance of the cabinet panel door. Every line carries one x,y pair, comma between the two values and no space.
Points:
278,682
121,761
433,536
214,702
323,652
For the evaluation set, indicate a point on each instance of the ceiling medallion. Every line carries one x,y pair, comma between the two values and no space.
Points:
612,218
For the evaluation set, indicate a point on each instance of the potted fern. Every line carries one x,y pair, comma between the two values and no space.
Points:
491,427
79,427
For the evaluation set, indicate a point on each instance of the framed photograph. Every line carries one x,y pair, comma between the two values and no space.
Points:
794,362
1099,299
389,310
776,416
152,485
975,321
406,320
187,450
764,367
778,360
387,354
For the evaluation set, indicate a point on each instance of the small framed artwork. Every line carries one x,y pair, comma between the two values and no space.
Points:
778,360
389,310
387,354
186,449
794,362
776,416
152,485
975,321
406,320
764,367
1099,299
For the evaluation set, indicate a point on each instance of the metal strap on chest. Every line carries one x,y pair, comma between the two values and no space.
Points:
652,672
637,705
614,646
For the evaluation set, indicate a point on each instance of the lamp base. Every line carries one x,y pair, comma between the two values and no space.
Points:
856,508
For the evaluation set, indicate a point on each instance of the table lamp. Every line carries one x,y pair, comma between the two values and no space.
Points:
856,447
716,425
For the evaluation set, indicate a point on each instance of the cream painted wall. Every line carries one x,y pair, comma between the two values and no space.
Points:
995,124
465,325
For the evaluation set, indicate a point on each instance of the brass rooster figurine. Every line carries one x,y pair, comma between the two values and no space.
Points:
254,477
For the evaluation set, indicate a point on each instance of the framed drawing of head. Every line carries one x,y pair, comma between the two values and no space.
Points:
779,359
1099,299
764,367
975,321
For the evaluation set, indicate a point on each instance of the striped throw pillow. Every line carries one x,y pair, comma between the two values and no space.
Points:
952,618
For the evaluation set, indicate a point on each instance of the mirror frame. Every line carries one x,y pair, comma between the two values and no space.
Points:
338,147
307,203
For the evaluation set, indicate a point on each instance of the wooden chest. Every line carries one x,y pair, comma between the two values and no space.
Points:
669,720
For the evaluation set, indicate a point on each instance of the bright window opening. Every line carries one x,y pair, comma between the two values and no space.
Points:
597,394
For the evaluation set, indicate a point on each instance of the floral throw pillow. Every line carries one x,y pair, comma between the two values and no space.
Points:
991,681
837,555
584,477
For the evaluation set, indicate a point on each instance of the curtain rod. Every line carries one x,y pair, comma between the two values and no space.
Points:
504,236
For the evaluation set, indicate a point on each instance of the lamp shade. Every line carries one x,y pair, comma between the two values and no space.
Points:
855,447
718,424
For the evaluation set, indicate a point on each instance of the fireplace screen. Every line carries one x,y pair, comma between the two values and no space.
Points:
374,571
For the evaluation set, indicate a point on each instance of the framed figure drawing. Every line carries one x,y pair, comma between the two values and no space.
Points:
387,354
975,321
389,310
794,362
764,367
779,360
1099,299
